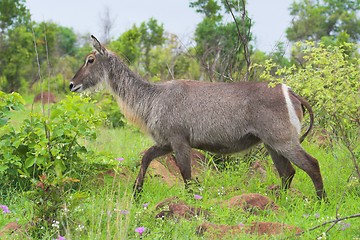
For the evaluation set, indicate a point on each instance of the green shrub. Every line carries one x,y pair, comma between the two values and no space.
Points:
45,157
114,117
47,143
8,103
329,79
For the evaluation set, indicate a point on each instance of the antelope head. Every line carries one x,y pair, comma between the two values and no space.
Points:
93,70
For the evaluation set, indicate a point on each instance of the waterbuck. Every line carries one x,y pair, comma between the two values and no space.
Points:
217,117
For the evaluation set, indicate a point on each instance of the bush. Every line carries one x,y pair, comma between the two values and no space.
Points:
8,162
47,143
114,117
45,157
329,79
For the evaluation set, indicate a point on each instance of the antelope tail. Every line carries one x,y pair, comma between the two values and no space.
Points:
304,105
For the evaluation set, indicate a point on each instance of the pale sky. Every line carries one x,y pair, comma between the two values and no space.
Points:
271,18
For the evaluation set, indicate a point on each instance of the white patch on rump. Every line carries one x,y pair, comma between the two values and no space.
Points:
291,110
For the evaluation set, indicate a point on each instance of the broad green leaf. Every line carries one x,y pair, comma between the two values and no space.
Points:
59,167
29,162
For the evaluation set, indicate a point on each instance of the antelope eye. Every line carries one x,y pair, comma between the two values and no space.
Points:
91,60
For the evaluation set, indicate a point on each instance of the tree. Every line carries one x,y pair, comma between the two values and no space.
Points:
107,24
54,45
55,39
66,41
19,64
16,55
210,8
172,61
152,35
13,13
128,45
15,41
136,44
217,41
313,20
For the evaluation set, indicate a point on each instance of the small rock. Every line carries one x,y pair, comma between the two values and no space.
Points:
166,168
252,202
256,228
167,202
175,208
45,97
157,169
258,169
271,228
215,231
9,228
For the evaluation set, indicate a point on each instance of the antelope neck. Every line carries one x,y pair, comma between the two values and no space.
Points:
134,95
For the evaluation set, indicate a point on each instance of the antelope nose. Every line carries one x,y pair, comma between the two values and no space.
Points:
71,85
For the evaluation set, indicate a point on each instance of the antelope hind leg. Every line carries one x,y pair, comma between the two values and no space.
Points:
310,165
283,166
183,160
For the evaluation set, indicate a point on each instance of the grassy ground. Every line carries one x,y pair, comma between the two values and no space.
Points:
299,208
106,209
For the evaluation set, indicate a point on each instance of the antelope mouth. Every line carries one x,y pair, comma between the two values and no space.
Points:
77,88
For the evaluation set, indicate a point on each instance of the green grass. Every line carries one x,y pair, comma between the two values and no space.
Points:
99,212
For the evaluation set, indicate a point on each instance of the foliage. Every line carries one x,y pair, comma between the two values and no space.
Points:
172,61
277,55
155,55
330,81
19,64
16,52
8,103
127,45
53,40
13,13
55,48
57,83
152,35
15,44
136,44
210,8
186,67
329,22
47,144
314,20
109,107
45,156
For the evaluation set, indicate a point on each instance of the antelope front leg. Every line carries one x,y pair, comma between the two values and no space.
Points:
149,155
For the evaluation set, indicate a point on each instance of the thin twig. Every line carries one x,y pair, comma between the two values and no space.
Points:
335,221
337,212
242,37
40,77
37,61
49,67
46,121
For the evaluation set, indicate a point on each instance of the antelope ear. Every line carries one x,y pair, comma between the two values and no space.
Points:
97,45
